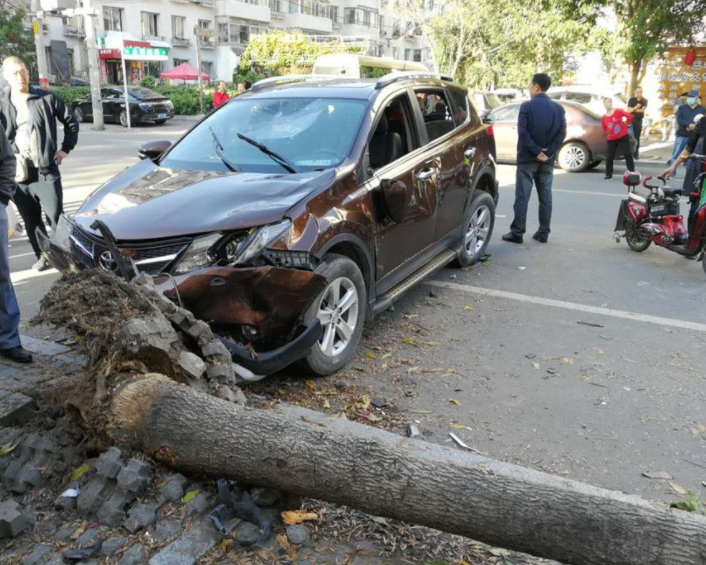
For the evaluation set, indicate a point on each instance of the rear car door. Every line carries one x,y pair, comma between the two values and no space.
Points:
395,155
109,96
504,120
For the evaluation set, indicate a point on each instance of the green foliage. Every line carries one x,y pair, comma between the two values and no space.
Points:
70,93
148,82
15,38
502,43
186,98
278,52
692,503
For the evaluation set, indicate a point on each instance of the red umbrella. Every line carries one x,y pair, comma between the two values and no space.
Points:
184,72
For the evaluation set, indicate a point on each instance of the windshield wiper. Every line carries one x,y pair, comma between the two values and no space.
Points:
282,161
220,151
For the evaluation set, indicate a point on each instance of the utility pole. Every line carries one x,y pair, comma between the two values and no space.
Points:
93,66
197,35
38,28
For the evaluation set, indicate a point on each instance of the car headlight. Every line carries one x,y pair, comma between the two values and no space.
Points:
169,104
146,107
197,256
242,251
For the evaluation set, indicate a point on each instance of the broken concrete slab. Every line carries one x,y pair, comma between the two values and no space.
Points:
12,520
43,347
188,548
15,408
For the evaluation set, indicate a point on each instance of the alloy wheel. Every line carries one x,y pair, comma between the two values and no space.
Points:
123,118
477,231
574,157
338,314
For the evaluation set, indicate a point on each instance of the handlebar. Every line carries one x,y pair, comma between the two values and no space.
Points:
695,156
653,186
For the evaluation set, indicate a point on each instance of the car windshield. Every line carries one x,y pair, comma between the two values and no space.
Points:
310,133
141,93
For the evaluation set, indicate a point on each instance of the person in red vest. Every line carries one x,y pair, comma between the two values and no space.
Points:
615,125
220,96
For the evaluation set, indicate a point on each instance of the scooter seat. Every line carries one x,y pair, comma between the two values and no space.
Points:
668,191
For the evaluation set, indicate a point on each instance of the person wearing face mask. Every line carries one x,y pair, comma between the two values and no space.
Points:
686,116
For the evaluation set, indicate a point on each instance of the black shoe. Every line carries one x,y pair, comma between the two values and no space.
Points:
512,238
17,354
540,237
608,177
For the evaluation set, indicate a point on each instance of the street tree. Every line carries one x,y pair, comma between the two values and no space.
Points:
16,38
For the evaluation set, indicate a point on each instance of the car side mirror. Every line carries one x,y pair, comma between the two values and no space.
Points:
153,150
487,120
395,197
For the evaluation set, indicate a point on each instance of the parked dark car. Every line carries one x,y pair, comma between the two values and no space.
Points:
294,213
145,106
585,145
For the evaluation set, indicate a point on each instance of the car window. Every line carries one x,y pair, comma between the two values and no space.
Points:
394,135
555,95
493,100
459,106
508,113
435,109
311,133
578,97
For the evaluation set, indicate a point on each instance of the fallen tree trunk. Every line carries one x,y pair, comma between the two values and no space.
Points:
305,452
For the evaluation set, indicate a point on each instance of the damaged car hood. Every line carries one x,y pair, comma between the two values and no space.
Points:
151,202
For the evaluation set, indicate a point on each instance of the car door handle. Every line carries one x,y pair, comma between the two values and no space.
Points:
470,153
426,174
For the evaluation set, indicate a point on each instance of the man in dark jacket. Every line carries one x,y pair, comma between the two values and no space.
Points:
541,127
10,345
686,123
29,116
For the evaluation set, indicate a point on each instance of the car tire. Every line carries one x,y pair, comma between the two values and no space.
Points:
594,164
478,224
334,350
636,242
574,157
160,122
80,114
122,118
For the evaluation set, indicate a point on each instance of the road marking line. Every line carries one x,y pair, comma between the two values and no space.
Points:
670,322
29,274
588,192
22,255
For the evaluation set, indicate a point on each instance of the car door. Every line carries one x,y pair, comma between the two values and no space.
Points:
504,120
108,99
400,244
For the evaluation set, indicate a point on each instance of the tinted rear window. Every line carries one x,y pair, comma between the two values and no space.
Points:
460,106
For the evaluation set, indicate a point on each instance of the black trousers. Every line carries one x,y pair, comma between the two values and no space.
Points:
621,147
637,128
36,193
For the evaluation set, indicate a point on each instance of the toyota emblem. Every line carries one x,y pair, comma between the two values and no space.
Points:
106,261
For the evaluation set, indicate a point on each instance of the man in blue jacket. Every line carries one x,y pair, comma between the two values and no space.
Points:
686,123
541,127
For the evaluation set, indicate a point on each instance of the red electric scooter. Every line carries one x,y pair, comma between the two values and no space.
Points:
644,219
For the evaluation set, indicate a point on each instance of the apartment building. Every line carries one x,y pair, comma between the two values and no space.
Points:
162,33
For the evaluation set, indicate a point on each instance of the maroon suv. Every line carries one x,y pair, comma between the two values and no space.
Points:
294,213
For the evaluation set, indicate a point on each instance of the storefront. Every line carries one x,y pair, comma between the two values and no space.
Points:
677,72
142,58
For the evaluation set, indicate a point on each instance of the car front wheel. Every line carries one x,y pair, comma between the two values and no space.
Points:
477,229
123,118
574,157
341,310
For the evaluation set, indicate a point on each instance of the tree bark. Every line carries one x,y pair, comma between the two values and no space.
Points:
635,68
304,452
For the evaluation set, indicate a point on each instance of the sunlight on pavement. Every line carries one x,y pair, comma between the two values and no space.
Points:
30,274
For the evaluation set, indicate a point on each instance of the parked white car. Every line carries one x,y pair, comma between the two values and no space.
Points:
586,96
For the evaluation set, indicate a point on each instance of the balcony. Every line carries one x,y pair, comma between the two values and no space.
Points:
207,42
74,31
146,37
181,41
257,12
209,3
308,22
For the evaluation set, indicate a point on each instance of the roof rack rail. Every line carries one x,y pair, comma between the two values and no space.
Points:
394,76
287,79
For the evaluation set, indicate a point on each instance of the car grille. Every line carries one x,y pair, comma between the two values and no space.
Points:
152,258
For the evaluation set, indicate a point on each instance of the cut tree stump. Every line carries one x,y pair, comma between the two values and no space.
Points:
307,453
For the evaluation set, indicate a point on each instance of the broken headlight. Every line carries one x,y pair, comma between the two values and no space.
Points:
198,255
240,251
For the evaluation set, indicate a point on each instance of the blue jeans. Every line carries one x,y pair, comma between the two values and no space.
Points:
9,310
541,175
679,145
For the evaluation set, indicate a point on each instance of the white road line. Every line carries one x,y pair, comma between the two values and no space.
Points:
22,255
588,192
670,322
20,276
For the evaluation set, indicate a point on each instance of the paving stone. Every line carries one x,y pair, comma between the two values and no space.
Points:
28,477
39,555
140,516
48,525
198,505
111,545
215,348
94,494
173,488
188,548
134,556
264,496
64,534
12,520
110,463
298,534
88,538
112,511
247,533
220,373
191,364
15,408
166,529
135,476
236,396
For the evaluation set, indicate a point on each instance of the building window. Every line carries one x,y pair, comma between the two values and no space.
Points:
112,19
418,55
276,6
178,62
149,24
205,24
207,67
222,33
178,25
361,16
407,54
333,12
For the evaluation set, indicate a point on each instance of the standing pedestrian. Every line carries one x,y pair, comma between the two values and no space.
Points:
686,116
541,129
636,106
29,116
241,88
615,124
10,345
221,95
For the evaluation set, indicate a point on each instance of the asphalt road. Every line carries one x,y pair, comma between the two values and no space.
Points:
579,357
